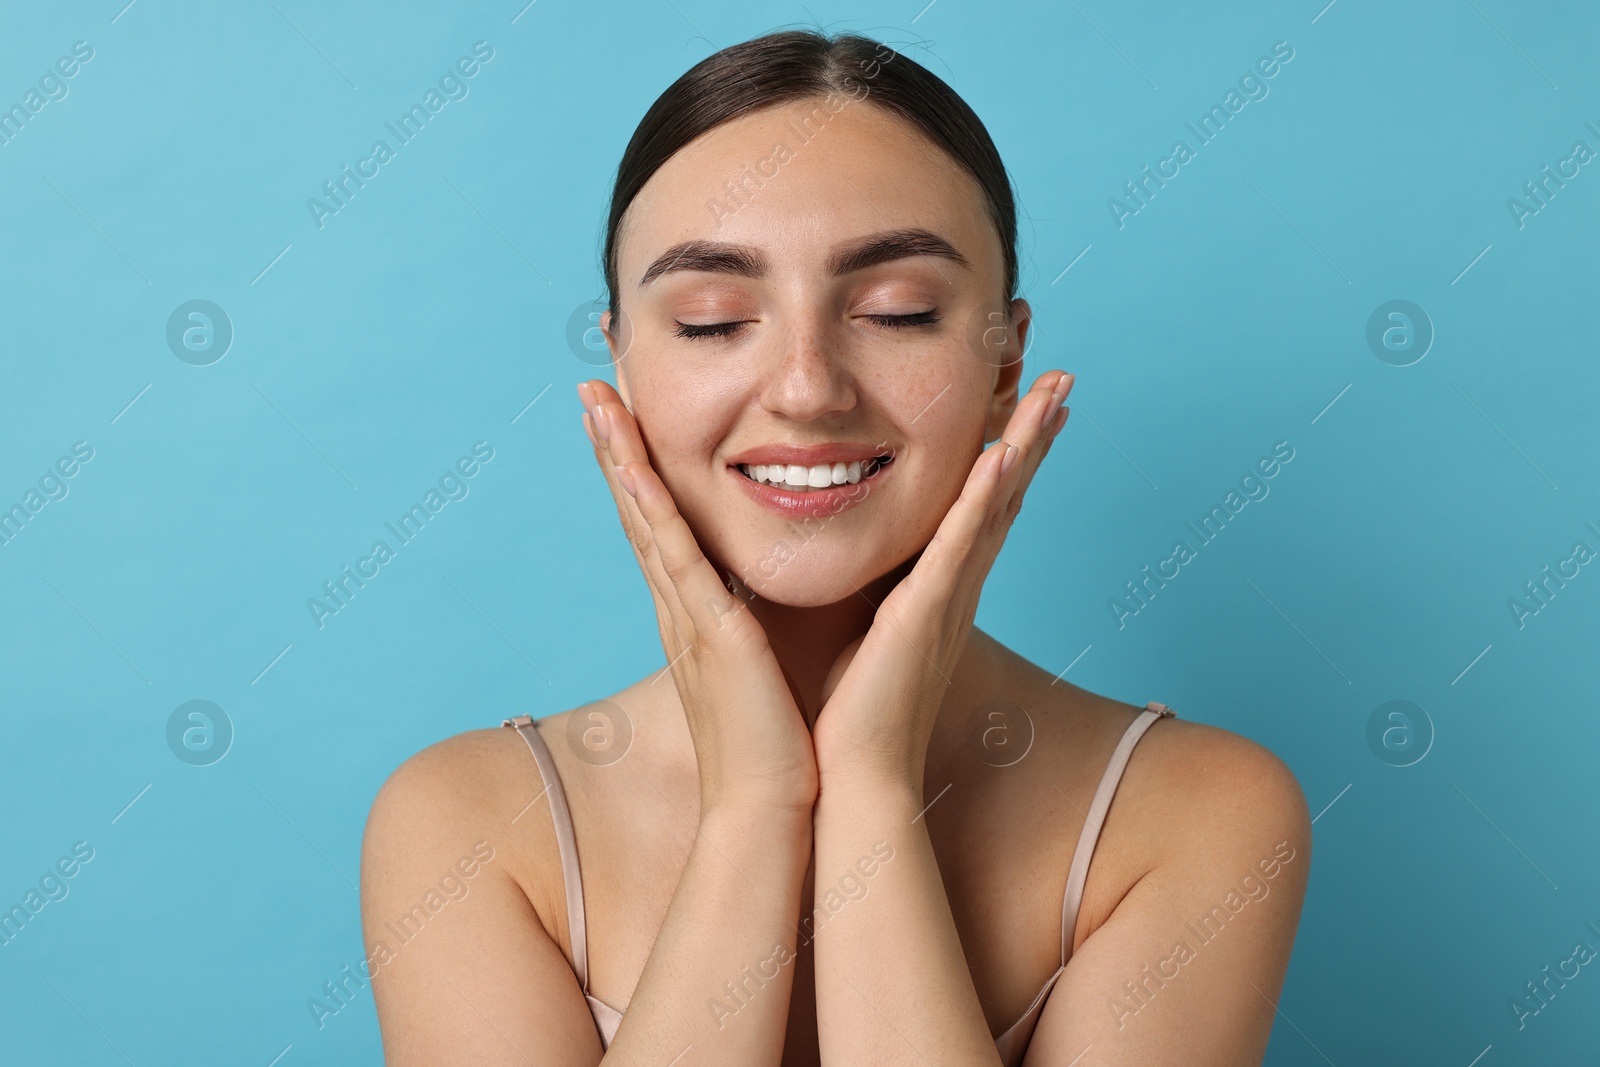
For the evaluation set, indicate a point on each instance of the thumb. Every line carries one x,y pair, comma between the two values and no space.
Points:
794,690
840,665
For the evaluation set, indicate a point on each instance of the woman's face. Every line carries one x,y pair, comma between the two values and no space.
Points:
808,361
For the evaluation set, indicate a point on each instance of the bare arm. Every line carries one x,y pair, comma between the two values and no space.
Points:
893,985
480,980
1189,966
719,977
721,972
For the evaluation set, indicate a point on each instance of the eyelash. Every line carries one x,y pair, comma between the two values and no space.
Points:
693,331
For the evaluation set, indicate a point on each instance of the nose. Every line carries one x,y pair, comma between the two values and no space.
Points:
810,379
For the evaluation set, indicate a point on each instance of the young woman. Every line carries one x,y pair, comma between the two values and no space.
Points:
853,829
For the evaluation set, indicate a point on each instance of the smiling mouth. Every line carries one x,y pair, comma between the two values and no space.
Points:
821,477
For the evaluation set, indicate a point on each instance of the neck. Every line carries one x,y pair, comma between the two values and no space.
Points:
808,641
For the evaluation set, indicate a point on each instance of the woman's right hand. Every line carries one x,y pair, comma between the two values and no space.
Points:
750,740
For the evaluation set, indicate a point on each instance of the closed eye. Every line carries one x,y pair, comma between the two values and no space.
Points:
710,329
916,318
889,322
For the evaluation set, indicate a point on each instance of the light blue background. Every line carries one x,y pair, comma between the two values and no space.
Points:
1227,315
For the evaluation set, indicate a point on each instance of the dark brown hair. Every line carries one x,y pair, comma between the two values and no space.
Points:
801,64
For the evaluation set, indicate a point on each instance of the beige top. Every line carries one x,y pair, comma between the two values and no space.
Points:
1012,1044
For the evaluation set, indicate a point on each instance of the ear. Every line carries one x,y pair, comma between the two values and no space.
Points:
1008,376
617,341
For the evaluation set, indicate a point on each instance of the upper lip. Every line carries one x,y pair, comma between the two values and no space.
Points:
810,455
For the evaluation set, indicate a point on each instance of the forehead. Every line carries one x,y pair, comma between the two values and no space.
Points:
799,178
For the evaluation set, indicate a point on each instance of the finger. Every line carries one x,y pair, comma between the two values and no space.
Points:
625,447
933,583
670,619
632,524
602,456
698,589
1027,433
1030,423
967,541
697,594
1032,428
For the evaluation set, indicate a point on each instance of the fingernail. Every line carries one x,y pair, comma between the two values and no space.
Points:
625,477
602,423
1051,408
1059,421
1008,459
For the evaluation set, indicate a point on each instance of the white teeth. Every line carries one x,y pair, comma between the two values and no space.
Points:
794,476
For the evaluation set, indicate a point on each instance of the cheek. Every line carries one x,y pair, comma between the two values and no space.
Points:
675,417
941,457
936,391
680,442
938,484
681,458
679,395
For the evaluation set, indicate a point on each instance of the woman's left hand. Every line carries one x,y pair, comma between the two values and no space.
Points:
883,694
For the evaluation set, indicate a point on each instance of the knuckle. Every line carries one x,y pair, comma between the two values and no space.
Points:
961,544
1001,522
680,569
720,610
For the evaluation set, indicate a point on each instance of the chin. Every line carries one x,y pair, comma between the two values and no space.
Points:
805,594
807,574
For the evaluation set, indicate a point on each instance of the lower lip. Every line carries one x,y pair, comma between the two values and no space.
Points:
816,503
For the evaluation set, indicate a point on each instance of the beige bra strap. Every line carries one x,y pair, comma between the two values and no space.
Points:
1096,818
565,840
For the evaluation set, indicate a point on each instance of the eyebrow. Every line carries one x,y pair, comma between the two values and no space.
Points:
721,257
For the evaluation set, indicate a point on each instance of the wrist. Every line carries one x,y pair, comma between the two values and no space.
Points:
780,796
870,774
741,814
877,792
864,768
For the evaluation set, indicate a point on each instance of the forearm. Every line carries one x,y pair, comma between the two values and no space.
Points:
892,982
722,968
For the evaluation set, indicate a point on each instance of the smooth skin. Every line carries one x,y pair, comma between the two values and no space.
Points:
831,717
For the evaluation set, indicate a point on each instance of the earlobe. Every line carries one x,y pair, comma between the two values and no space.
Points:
1003,403
618,347
612,343
1022,317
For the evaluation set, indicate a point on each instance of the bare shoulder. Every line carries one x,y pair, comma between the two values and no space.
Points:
1188,787
1204,811
462,779
1183,778
453,935
480,784
1211,788
1206,854
1196,802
